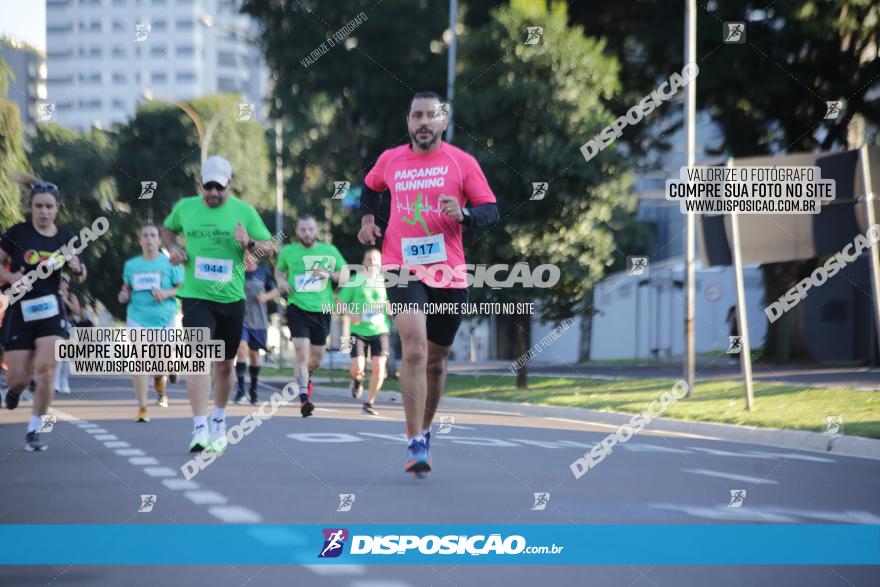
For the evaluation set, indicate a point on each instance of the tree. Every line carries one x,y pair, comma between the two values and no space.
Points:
81,165
343,108
12,157
524,111
768,95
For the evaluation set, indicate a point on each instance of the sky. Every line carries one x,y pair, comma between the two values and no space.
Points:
24,20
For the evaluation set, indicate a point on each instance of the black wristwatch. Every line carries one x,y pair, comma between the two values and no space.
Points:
466,216
252,244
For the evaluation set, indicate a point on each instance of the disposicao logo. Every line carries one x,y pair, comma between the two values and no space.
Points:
334,541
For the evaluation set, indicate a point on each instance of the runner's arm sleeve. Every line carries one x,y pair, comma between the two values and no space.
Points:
370,201
482,216
256,227
281,266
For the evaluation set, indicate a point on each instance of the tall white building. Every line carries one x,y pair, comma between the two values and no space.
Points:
28,84
106,56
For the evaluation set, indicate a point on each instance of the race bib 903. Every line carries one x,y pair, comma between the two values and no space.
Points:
39,308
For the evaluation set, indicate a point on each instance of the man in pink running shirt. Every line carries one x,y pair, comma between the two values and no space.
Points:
430,182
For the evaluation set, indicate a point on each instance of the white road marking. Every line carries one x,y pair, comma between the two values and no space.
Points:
205,497
731,476
180,484
129,452
582,422
96,431
722,512
116,444
324,437
141,461
106,437
646,447
391,437
233,514
159,471
538,443
332,570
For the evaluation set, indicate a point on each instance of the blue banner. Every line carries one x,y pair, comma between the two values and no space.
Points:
719,544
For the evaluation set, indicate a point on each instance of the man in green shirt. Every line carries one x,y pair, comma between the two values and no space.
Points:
218,229
366,303
304,272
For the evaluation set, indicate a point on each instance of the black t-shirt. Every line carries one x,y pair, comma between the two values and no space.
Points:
27,248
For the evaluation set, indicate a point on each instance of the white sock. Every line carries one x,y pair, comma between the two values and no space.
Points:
218,414
35,424
417,438
200,421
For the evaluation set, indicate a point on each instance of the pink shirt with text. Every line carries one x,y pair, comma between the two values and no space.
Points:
416,182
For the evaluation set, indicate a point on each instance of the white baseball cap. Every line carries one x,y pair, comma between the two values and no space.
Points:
216,169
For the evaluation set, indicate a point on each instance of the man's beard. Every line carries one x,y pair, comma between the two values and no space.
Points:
306,243
424,144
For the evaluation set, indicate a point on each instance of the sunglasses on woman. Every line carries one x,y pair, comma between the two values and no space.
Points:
44,188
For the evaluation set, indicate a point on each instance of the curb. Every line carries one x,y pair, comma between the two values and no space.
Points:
856,446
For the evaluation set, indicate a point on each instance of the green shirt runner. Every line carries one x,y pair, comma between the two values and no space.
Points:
308,292
369,303
212,253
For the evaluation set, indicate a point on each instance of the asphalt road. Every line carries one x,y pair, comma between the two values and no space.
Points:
488,467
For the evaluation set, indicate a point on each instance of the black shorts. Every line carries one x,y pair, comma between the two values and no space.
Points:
224,320
312,325
442,328
378,345
19,335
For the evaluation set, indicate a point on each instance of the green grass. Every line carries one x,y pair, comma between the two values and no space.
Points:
776,405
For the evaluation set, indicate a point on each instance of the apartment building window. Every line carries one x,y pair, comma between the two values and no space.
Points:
90,104
159,2
89,2
59,29
60,81
66,105
118,52
118,104
60,54
185,51
59,3
119,78
185,2
184,24
225,84
159,26
158,51
185,77
90,52
226,58
92,26
159,77
118,2
119,26
90,78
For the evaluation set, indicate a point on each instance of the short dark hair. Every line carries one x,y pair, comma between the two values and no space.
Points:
418,95
305,217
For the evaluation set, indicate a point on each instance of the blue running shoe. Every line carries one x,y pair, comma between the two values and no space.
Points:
428,445
417,458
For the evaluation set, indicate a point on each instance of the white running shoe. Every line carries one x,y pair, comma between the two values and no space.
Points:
218,436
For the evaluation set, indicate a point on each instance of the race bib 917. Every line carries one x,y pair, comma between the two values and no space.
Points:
423,250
